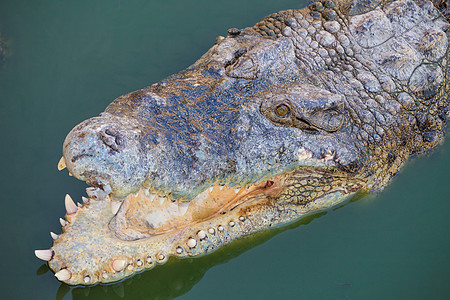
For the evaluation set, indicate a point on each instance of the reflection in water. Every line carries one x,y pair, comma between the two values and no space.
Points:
42,269
62,291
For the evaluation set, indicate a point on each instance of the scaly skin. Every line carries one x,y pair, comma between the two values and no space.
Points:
275,122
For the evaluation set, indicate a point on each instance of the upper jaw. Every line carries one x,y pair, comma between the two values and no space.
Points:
107,181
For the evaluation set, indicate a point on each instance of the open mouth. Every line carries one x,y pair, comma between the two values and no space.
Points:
104,240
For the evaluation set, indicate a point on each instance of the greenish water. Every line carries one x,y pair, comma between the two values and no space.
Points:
71,58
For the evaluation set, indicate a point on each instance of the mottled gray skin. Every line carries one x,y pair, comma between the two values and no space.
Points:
204,125
346,90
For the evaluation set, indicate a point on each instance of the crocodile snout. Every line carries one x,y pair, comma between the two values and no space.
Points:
107,151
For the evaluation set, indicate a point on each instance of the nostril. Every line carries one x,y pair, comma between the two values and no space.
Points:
118,140
112,139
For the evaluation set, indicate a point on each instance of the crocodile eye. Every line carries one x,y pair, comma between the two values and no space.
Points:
282,110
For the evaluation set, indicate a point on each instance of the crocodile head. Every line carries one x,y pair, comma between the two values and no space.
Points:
259,132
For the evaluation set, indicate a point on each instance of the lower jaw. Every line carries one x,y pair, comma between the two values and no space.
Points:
92,253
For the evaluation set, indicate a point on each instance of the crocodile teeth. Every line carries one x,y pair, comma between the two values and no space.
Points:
71,208
44,254
54,235
118,265
85,200
63,222
63,275
183,207
107,189
328,155
61,164
152,197
115,205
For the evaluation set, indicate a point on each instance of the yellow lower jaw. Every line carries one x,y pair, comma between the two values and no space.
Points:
89,252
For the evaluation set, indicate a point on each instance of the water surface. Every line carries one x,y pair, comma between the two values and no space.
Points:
70,59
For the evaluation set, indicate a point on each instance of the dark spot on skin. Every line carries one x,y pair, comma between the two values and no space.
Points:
390,158
238,53
76,157
421,120
231,165
352,167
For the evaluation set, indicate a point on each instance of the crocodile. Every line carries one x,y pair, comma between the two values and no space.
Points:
275,122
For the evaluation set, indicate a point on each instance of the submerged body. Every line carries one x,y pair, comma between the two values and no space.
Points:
274,122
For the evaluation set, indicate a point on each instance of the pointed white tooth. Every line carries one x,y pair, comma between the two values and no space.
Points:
118,265
61,164
44,254
211,189
54,235
71,208
85,200
115,205
146,192
221,187
152,197
63,222
96,193
161,200
70,174
107,189
63,275
236,191
183,207
79,205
